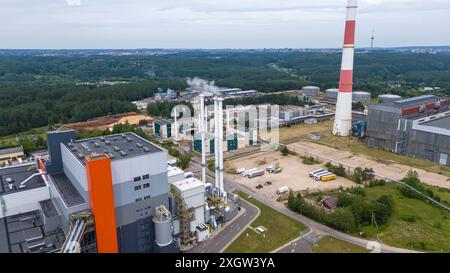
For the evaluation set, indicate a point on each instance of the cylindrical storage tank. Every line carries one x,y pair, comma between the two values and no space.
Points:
163,226
362,97
389,98
332,93
172,204
311,91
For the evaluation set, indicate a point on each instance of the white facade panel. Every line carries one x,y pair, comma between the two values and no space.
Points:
124,170
72,165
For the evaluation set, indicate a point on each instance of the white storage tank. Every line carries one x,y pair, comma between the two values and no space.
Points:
332,93
362,97
163,226
311,91
387,98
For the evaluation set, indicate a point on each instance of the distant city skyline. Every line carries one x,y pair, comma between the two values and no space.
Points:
74,24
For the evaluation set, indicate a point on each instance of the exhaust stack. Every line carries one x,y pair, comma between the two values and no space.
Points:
218,143
343,119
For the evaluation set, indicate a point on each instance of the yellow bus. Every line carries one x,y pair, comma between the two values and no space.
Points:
328,177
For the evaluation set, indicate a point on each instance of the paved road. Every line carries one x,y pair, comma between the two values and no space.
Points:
313,225
297,246
228,234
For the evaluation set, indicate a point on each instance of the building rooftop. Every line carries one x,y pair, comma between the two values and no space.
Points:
12,177
443,122
25,233
11,151
414,101
116,146
67,190
188,184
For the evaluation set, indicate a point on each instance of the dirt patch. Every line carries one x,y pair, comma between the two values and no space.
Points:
382,167
106,122
295,174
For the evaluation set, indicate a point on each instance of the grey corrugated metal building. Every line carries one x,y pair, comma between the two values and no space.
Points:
415,126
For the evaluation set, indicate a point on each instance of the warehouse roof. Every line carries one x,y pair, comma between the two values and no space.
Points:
443,122
414,101
116,146
12,177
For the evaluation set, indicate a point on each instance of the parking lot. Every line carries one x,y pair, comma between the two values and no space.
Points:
295,174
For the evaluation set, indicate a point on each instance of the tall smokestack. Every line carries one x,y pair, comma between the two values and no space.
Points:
220,108
343,119
202,127
216,143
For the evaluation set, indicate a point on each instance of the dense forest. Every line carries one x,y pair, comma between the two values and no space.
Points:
36,91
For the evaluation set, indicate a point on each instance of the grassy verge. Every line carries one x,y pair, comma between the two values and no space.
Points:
280,230
329,244
414,224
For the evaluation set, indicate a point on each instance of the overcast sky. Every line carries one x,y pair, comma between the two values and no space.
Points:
218,24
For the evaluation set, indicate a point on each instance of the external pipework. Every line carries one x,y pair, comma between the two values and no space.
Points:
343,119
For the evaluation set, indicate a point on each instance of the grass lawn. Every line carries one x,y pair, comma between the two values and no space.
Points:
414,224
329,244
280,230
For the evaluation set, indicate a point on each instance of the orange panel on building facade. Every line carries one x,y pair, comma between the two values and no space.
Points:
98,170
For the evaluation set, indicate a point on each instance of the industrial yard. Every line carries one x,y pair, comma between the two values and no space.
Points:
294,174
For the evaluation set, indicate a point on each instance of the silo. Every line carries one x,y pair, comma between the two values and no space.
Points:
362,97
387,98
311,91
163,226
172,204
332,93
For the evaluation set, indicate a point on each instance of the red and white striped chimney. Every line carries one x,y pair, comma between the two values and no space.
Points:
343,120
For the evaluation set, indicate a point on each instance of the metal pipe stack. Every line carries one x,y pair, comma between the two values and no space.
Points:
343,120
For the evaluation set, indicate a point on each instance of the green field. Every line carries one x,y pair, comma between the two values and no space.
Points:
280,230
414,224
329,244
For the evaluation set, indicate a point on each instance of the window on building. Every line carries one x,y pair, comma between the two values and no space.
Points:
136,188
138,200
147,197
137,178
147,176
146,185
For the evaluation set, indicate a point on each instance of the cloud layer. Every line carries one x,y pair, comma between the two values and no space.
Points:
217,24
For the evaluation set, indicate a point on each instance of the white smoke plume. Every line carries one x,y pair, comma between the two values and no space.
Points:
203,86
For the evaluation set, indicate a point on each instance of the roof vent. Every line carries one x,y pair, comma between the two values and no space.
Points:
123,135
129,139
107,142
102,138
122,153
146,149
116,148
131,148
139,145
111,156
97,144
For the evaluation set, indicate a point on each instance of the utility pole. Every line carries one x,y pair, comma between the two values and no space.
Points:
372,38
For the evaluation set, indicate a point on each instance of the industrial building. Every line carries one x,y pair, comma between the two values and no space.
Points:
11,155
163,128
107,194
416,126
292,115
